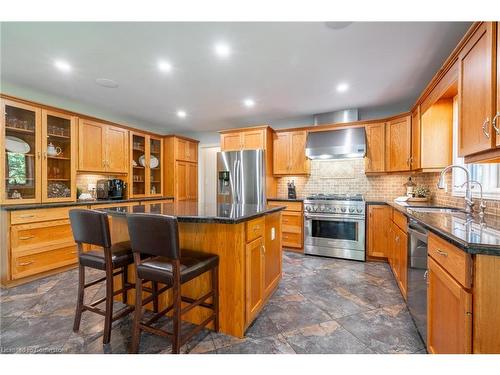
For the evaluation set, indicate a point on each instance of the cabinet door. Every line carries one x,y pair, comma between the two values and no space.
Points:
272,253
298,160
398,144
402,248
394,250
138,165
181,149
20,153
192,151
254,272
390,247
281,152
59,157
375,153
231,141
181,180
155,166
379,219
253,140
116,150
475,92
192,181
415,139
91,146
449,313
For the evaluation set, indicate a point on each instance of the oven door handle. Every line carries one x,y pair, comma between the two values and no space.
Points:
334,218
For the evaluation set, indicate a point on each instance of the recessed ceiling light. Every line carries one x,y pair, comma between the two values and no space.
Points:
342,87
249,103
62,65
164,66
106,82
222,50
181,114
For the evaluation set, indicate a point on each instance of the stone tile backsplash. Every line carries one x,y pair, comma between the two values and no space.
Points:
348,177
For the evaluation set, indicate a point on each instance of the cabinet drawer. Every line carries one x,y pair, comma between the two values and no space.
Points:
122,204
255,229
32,264
37,237
455,261
290,206
292,219
400,220
292,239
42,214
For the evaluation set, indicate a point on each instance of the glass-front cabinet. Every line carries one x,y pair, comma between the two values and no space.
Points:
146,167
58,157
37,155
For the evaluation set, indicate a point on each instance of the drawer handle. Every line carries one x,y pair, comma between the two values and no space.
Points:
256,228
26,238
26,263
25,216
441,252
263,248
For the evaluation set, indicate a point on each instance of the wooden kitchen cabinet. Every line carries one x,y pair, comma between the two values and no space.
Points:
398,250
146,165
398,144
375,152
449,313
289,151
379,219
254,271
272,254
180,168
244,139
292,224
415,140
102,147
477,70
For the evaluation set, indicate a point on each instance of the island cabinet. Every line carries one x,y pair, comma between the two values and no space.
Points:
102,147
289,153
398,144
39,156
379,219
375,148
181,168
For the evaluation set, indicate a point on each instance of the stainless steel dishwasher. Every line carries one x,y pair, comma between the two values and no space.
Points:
417,276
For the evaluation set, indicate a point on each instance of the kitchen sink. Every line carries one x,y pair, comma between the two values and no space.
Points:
441,210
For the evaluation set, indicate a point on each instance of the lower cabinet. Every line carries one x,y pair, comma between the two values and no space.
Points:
292,221
398,251
449,313
254,277
379,220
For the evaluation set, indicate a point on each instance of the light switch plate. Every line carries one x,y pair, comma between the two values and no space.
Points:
273,234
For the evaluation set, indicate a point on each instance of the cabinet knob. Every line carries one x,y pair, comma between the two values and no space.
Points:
25,238
485,131
26,263
441,252
494,123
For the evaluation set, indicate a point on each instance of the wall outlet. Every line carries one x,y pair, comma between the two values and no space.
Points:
273,234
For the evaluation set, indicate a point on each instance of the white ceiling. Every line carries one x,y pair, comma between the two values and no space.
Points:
289,69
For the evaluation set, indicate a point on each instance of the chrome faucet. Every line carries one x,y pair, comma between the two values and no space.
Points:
482,205
469,203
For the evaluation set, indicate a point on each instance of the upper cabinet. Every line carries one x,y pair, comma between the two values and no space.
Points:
146,165
289,153
477,71
415,139
186,150
398,144
39,154
243,139
375,148
102,147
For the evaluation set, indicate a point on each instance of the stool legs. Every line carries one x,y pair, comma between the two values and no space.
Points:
79,301
215,298
136,332
155,294
108,318
124,282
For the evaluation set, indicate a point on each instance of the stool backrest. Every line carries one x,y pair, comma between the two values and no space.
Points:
91,227
156,235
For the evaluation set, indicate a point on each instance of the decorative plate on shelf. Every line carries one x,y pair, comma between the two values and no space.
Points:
154,162
14,144
142,160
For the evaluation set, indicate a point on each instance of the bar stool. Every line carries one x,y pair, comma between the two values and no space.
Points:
158,237
92,227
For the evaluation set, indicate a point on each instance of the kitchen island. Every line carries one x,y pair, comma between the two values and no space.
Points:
247,239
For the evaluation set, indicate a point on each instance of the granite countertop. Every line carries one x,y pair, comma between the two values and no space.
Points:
194,212
15,207
469,233
286,199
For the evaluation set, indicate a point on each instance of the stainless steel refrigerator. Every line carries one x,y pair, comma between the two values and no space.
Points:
241,177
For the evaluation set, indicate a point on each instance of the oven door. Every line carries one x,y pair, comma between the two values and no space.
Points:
337,232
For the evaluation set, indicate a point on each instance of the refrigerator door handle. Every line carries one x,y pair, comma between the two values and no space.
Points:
238,182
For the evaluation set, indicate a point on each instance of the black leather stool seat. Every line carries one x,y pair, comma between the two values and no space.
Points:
193,264
121,256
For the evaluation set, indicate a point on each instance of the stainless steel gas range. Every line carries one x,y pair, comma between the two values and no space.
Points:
335,226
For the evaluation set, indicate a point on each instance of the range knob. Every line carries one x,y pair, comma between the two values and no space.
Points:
351,209
328,209
334,209
308,208
359,210
343,209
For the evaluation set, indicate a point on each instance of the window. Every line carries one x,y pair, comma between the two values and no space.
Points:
488,175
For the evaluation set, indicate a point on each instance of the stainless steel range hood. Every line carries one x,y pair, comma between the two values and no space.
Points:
336,144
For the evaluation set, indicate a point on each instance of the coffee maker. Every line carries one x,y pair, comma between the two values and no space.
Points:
110,189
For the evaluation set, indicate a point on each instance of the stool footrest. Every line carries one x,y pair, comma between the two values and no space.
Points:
197,302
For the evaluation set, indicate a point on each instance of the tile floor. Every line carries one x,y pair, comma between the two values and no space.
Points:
322,305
